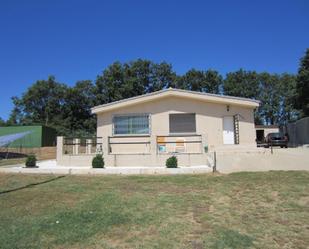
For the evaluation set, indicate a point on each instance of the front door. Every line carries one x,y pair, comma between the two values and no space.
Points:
228,130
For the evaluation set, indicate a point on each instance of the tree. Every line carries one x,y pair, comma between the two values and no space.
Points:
287,93
302,99
269,95
77,117
130,79
202,81
2,122
242,84
162,76
109,84
42,103
16,116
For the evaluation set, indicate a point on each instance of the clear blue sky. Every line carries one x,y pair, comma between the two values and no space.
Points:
76,40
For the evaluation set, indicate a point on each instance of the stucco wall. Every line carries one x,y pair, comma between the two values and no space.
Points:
209,124
209,119
268,130
209,127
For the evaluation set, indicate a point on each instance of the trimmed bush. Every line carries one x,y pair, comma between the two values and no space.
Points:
98,161
30,161
171,162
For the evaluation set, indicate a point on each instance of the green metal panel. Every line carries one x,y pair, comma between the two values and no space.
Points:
48,136
39,136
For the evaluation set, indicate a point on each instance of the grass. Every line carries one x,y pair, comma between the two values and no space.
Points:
241,210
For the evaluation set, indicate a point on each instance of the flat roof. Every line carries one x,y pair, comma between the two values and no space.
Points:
170,92
266,126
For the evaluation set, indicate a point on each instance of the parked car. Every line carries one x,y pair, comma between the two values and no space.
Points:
276,139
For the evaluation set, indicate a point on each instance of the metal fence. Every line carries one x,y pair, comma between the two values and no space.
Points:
298,132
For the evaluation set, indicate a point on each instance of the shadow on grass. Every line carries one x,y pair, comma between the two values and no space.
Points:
31,185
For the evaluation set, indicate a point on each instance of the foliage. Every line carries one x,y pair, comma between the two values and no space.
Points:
201,81
77,117
42,103
242,84
98,161
171,162
30,161
126,80
68,109
302,100
276,93
2,122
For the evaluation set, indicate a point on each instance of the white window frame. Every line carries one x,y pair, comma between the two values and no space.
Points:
129,115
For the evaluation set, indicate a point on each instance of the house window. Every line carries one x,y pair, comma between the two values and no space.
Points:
182,123
131,124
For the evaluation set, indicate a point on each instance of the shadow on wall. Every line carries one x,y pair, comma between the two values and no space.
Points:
10,155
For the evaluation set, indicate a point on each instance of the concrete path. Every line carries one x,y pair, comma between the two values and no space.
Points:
50,167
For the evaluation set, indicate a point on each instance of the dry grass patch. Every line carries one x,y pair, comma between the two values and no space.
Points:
243,210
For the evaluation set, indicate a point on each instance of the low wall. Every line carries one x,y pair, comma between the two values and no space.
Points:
156,160
281,159
128,160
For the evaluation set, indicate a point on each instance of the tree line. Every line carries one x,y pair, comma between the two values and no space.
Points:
284,97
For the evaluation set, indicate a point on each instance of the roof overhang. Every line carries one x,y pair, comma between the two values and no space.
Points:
206,97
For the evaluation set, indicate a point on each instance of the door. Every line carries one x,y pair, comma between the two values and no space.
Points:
228,130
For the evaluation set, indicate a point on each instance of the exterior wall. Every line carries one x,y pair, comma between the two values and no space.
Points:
268,130
209,124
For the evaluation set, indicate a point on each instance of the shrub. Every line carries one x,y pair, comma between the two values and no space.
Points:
171,162
31,161
98,161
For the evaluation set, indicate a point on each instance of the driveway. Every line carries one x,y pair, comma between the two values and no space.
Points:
281,159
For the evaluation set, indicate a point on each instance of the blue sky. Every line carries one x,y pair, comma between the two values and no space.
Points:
76,40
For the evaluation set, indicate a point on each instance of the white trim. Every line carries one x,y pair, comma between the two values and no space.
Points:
208,97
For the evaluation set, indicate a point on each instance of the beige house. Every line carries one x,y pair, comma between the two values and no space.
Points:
147,129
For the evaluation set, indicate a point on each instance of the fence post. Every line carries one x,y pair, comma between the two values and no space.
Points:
214,169
76,146
88,146
60,148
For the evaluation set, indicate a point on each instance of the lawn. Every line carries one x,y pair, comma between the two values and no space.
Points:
241,210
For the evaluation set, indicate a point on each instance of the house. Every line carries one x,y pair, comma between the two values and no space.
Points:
147,129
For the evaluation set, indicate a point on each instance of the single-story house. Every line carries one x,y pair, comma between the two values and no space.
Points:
147,129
